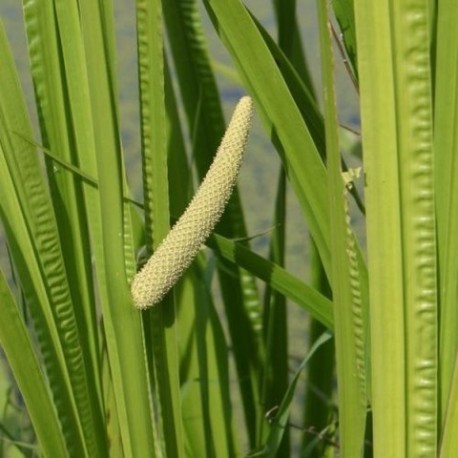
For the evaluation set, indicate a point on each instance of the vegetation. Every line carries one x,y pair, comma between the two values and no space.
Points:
99,377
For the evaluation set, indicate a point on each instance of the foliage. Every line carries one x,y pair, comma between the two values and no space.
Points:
206,372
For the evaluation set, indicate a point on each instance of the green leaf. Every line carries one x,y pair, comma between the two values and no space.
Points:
277,277
204,369
206,122
161,338
33,237
345,16
24,362
449,440
275,371
446,178
396,106
112,233
280,421
345,279
289,38
280,114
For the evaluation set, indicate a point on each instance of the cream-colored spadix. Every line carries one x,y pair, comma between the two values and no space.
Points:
179,248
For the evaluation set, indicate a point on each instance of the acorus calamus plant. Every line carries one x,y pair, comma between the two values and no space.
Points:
212,370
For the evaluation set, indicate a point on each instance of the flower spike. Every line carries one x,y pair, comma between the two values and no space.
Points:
181,245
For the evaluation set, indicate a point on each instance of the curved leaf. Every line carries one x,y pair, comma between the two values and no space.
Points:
278,278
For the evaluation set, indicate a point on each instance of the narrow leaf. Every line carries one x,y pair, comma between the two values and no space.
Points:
349,338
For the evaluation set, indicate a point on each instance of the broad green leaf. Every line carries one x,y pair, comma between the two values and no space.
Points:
446,178
383,228
396,105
